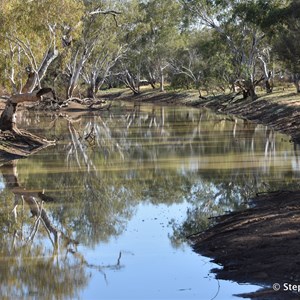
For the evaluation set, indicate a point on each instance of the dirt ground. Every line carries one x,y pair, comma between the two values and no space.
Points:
260,245
282,112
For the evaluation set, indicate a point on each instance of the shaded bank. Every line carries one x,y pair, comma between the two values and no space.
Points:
259,245
282,113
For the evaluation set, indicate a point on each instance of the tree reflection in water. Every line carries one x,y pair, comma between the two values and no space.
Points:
37,256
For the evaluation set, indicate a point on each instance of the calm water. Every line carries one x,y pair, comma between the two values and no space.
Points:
121,191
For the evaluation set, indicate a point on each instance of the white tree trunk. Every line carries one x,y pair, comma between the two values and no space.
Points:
162,80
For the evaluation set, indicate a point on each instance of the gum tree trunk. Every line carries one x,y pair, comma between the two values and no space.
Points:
34,78
162,80
17,142
296,81
8,116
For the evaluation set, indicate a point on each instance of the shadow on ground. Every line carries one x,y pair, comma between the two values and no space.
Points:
260,245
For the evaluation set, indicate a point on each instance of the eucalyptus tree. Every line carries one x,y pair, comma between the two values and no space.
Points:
187,63
152,37
286,48
99,66
95,51
128,69
283,27
32,35
163,20
202,62
238,25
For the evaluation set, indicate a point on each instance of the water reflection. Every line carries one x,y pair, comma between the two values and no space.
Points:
105,166
36,254
30,263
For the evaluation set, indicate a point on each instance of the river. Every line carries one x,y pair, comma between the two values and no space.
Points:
117,196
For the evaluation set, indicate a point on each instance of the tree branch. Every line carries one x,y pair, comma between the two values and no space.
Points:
114,13
104,12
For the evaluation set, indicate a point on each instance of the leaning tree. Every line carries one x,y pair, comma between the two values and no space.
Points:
33,35
14,141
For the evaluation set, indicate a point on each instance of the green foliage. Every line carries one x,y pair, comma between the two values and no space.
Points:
30,29
287,47
147,39
285,34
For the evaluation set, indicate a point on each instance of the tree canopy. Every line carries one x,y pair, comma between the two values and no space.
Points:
82,46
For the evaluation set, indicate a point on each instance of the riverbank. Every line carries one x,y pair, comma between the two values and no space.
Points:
280,110
258,246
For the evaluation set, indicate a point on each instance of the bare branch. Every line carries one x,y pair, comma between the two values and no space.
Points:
29,97
27,51
113,13
104,12
5,97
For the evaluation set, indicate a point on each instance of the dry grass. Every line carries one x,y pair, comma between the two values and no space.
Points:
282,95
